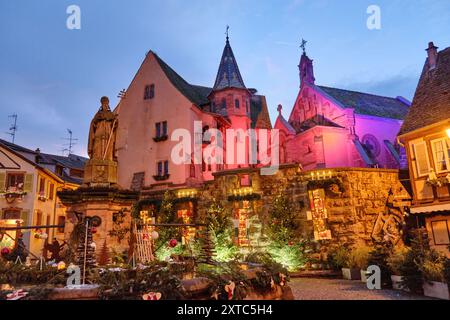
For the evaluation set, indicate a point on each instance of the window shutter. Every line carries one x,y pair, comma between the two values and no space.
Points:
2,181
25,216
28,185
421,158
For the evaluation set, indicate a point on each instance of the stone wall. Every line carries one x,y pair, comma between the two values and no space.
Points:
363,205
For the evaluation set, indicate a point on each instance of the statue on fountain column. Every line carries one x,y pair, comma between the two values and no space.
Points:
101,169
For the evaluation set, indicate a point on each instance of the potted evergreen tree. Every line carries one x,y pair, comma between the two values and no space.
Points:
361,256
434,284
395,262
351,270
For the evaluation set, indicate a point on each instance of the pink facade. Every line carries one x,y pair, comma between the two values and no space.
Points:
159,101
331,127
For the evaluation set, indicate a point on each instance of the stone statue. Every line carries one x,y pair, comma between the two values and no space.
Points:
102,133
101,169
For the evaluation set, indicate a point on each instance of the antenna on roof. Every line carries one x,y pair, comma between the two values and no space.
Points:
70,144
13,128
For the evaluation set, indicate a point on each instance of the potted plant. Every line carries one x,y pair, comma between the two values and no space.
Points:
434,284
351,270
395,262
360,255
336,257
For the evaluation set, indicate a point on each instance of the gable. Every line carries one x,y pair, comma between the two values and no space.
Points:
7,162
312,106
431,103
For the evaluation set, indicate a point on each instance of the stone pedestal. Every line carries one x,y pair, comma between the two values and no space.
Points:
104,203
100,173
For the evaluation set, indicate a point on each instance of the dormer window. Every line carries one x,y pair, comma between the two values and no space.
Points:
149,92
236,103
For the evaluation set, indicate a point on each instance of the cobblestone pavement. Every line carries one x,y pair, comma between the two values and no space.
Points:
338,289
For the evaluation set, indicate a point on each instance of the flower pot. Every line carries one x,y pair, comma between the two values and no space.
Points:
351,274
436,289
364,276
397,282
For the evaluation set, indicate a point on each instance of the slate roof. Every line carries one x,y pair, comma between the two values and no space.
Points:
16,147
258,113
198,95
195,94
368,104
431,103
71,161
228,75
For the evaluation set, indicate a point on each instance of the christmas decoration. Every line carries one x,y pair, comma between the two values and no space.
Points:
94,230
173,243
85,252
5,251
16,295
104,255
61,265
155,235
229,288
152,296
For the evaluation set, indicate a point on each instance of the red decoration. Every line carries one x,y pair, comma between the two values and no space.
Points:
290,243
5,251
173,243
94,230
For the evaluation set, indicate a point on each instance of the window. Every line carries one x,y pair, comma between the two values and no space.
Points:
61,222
161,129
52,191
162,168
192,170
11,214
41,186
246,180
38,218
421,158
441,154
440,232
149,92
15,181
246,105
224,103
236,103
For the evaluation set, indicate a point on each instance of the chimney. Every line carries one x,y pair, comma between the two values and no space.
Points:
432,55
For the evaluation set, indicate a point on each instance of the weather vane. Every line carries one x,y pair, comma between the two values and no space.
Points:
303,45
228,27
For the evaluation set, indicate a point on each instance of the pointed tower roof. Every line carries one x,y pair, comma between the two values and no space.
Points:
228,75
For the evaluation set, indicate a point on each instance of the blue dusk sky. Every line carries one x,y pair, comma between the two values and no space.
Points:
53,77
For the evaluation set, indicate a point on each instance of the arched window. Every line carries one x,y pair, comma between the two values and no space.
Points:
236,103
224,103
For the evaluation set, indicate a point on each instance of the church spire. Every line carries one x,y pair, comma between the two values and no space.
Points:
306,66
228,75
